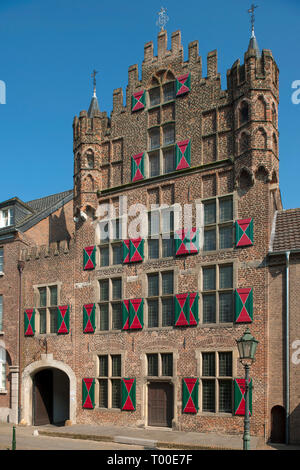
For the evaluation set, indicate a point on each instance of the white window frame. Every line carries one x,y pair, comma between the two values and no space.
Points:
1,260
6,221
2,366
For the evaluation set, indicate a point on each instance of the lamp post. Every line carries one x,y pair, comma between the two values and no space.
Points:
247,345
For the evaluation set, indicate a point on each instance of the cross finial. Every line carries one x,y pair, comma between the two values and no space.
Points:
252,10
94,80
162,18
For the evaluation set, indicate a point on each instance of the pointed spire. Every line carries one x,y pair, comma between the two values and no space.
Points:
253,44
94,106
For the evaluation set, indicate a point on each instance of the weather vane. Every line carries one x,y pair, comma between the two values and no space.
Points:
251,10
162,18
94,80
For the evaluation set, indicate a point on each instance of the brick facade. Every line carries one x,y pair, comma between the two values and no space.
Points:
233,137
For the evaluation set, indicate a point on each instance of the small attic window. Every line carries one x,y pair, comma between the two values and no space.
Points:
6,217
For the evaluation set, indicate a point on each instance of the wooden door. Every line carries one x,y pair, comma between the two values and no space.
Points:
160,404
43,397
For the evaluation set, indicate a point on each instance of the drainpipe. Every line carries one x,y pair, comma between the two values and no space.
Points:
287,351
21,265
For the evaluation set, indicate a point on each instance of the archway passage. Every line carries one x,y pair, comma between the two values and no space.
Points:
277,425
51,395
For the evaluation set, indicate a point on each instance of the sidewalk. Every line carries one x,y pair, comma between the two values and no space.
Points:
157,438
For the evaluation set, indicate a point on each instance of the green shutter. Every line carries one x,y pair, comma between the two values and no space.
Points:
190,387
89,325
244,233
137,167
239,397
88,393
244,305
128,392
63,319
29,322
89,258
136,319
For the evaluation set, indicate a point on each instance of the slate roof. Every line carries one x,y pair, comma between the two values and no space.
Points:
30,213
286,231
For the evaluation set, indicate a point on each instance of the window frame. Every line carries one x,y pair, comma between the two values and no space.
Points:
110,302
1,260
111,243
3,362
218,224
10,217
109,379
217,291
159,355
161,235
50,310
159,298
217,379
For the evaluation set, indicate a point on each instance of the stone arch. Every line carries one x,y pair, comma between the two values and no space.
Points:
245,179
277,434
89,159
260,138
274,144
243,142
274,114
243,112
261,108
28,374
88,184
262,174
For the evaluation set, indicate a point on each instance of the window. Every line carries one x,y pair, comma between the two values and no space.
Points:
6,217
160,233
1,313
216,382
218,224
217,294
109,380
47,309
161,132
110,306
160,299
1,260
244,113
110,242
2,368
160,365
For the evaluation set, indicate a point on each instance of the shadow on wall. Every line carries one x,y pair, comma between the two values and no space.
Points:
58,230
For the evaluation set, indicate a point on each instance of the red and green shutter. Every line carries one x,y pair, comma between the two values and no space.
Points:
88,393
193,308
183,84
29,322
137,167
63,319
138,100
183,154
244,305
186,241
181,309
128,393
190,388
244,232
89,258
89,325
239,397
125,314
186,309
136,317
126,251
133,250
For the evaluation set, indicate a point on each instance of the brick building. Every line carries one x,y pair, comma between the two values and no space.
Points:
141,330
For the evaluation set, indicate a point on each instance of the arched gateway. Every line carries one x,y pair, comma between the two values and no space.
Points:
48,392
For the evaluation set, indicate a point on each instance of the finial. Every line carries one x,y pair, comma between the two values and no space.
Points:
251,10
162,18
94,81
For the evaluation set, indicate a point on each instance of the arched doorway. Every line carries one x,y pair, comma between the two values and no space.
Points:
51,391
62,393
277,424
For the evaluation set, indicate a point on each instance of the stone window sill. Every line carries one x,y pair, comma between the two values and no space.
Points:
1,332
2,391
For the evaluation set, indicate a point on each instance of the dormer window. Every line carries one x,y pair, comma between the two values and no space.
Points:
6,217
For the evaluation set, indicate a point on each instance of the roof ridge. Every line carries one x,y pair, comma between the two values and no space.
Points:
50,195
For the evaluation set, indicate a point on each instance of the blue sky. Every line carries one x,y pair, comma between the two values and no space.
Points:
50,47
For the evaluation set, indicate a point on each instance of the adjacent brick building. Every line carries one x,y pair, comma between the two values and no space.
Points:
138,330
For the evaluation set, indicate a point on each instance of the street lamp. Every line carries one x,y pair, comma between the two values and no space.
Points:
247,347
